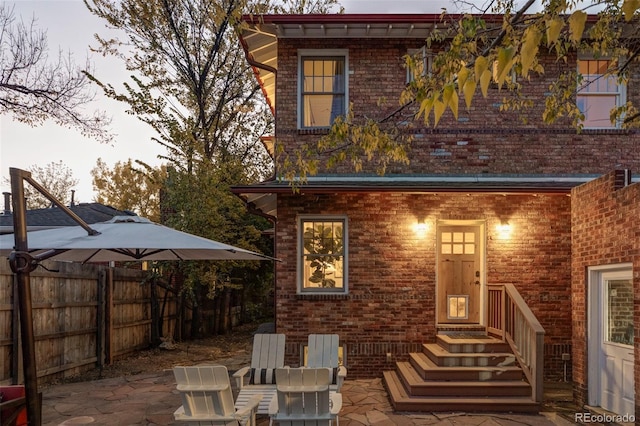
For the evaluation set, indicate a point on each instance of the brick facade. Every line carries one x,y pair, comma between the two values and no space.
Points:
390,307
482,140
605,231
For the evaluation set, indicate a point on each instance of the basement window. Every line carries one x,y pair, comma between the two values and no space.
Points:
322,260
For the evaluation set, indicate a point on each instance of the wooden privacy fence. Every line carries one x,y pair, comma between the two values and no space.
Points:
85,316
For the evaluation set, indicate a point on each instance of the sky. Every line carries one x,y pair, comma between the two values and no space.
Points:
70,27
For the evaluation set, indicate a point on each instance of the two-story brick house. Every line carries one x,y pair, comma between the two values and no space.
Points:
489,213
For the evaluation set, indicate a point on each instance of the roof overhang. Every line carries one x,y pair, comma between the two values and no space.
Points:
259,35
262,197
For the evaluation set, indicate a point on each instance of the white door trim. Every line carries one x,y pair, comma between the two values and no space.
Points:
594,325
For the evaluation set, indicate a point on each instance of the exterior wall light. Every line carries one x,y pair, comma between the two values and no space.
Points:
420,228
504,230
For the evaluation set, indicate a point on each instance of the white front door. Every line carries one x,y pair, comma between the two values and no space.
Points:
616,376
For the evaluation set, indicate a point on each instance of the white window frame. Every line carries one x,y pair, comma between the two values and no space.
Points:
304,53
427,62
620,94
301,289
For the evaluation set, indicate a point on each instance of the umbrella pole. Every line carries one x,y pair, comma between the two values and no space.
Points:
21,266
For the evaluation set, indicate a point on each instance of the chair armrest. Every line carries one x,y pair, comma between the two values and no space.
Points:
251,405
335,403
239,376
273,406
342,371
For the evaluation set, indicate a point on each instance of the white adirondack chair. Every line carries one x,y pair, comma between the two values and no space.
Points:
207,398
259,377
322,351
303,398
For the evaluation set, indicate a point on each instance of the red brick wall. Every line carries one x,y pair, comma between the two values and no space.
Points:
605,231
482,140
390,307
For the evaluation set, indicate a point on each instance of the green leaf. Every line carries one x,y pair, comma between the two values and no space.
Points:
577,22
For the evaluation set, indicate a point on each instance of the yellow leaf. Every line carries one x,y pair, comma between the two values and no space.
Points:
485,80
463,75
425,108
577,22
505,55
629,8
450,98
529,49
554,27
469,89
438,109
481,65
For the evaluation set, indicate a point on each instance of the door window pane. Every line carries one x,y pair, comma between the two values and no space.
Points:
619,311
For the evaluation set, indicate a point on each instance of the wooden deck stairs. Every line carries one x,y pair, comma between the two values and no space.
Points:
461,372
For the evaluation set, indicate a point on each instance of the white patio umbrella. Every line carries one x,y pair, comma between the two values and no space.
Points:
126,238
119,239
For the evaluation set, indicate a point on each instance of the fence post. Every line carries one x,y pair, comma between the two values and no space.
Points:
100,318
16,343
108,316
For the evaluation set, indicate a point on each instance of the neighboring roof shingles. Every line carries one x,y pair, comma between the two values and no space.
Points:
56,217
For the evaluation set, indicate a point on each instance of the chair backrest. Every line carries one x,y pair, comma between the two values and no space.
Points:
268,354
322,350
205,390
303,393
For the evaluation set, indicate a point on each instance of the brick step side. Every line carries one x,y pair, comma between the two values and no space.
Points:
428,370
402,401
443,358
470,344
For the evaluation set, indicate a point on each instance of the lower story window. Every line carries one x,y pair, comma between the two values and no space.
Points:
322,248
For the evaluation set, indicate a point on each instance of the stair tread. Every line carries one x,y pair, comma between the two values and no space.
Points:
398,395
439,351
418,381
484,340
427,364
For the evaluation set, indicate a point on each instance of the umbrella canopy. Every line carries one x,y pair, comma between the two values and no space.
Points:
126,238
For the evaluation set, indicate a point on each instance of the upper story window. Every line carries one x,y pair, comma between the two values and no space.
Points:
598,93
322,260
420,63
322,94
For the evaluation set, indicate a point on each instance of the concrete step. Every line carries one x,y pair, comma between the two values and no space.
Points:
428,370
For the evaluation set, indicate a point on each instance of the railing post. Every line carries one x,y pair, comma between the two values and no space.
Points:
539,370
